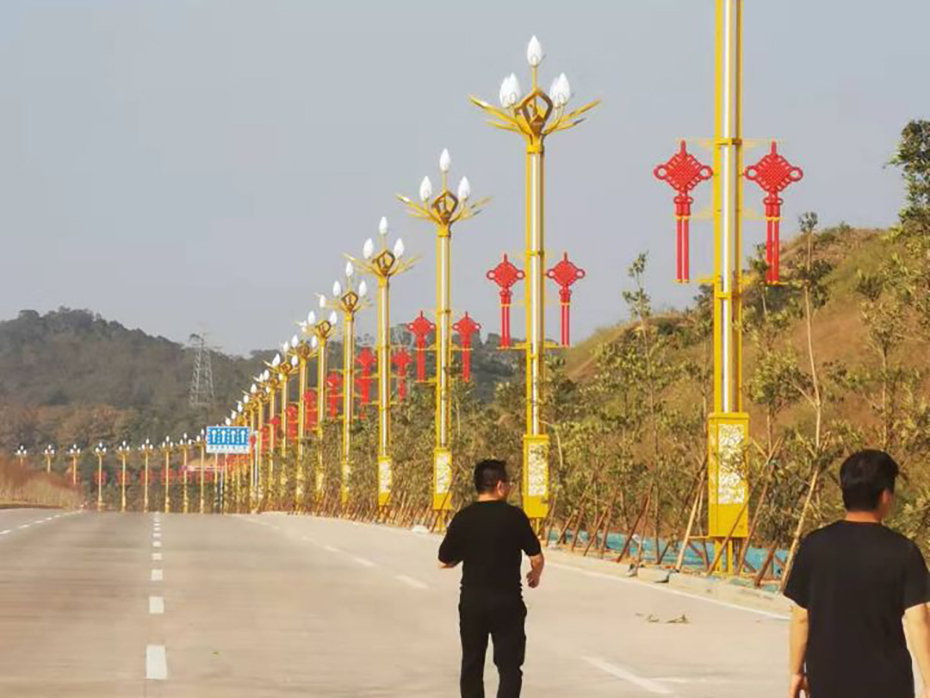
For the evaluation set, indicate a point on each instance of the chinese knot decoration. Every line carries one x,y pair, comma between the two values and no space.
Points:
773,173
505,275
333,385
565,273
421,328
292,418
367,360
310,412
683,172
466,328
401,360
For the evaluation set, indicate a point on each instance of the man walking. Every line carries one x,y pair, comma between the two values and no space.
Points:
489,537
852,583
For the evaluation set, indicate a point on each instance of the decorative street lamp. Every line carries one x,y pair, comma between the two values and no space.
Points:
443,211
185,443
383,264
272,382
284,364
167,447
535,116
322,332
349,301
99,451
147,449
123,450
49,453
21,454
202,446
565,274
75,453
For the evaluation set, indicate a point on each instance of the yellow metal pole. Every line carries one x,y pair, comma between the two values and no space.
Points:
99,482
123,483
184,475
272,441
349,306
385,461
203,457
323,330
167,481
145,496
301,424
728,427
284,381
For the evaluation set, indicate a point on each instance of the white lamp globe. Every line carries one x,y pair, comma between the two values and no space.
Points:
369,249
399,248
363,289
534,52
426,189
445,160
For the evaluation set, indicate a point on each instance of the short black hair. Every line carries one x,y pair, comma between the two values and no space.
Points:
863,478
488,473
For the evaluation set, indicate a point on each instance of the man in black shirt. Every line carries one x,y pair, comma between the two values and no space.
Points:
851,584
489,537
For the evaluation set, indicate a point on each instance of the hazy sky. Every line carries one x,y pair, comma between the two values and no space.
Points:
173,164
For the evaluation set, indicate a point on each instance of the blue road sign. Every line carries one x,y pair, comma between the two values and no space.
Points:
228,440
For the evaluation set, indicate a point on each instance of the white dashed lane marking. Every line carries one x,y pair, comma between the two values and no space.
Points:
157,575
156,662
410,581
628,676
156,557
364,562
157,605
330,549
156,543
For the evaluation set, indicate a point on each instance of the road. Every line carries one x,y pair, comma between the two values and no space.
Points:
196,606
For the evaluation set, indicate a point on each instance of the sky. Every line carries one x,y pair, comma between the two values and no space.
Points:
203,165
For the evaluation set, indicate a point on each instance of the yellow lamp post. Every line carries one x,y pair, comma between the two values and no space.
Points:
444,210
21,453
384,264
184,444
319,342
75,453
271,391
202,448
535,116
123,450
304,353
49,454
147,449
99,451
252,406
167,447
349,301
284,365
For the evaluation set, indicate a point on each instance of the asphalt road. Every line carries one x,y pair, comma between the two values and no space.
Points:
251,606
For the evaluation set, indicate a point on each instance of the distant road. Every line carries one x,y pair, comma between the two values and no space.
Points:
100,605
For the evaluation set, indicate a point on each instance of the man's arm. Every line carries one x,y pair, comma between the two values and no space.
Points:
797,651
537,562
449,553
917,626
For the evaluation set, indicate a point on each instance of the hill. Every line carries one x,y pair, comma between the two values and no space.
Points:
71,376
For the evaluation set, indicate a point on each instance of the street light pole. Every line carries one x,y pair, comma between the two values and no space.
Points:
202,445
49,453
146,449
167,447
349,301
443,212
383,265
21,454
74,452
535,116
123,449
99,451
185,445
322,332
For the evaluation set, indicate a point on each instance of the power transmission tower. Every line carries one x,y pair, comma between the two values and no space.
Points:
201,394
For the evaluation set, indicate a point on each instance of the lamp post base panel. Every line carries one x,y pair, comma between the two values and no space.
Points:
442,479
535,485
385,480
728,488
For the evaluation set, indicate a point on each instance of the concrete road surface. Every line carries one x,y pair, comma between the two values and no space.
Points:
100,605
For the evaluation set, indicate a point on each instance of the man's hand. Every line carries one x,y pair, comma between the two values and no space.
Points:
447,565
799,685
532,578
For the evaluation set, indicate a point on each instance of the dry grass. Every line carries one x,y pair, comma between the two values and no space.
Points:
23,486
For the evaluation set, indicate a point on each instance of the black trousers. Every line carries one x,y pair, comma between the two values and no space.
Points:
502,618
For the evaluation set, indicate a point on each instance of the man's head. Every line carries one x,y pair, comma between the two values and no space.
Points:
867,479
491,479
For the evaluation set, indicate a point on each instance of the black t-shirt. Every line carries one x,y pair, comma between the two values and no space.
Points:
488,537
856,580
